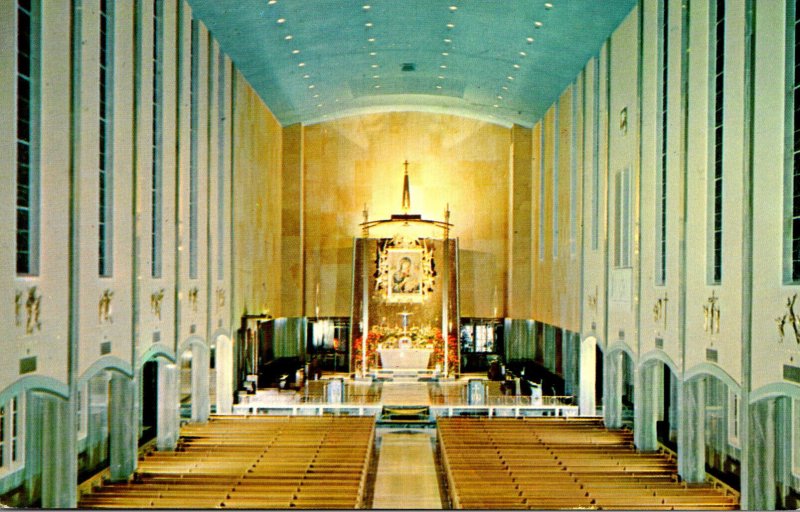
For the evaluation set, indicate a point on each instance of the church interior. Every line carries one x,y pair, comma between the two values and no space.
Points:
423,254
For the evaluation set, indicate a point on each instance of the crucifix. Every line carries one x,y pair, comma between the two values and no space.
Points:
405,315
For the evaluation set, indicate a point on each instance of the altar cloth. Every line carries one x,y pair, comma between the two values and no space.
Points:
405,358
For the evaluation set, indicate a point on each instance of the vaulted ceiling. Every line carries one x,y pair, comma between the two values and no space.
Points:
504,61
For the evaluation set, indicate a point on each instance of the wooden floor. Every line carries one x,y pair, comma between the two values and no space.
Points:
557,463
253,462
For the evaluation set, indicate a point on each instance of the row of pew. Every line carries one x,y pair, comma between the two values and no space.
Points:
253,462
558,463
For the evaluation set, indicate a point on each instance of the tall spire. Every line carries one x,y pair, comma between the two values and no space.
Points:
406,192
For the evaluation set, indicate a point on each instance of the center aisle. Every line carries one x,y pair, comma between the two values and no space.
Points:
405,393
406,476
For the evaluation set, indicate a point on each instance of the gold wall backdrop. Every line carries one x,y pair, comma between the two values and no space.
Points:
358,161
257,204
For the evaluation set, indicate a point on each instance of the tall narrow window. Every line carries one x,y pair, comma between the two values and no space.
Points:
193,162
105,187
622,219
661,169
541,190
27,176
596,156
716,181
3,460
556,145
573,174
221,167
794,120
157,178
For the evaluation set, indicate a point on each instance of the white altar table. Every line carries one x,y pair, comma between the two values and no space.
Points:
405,358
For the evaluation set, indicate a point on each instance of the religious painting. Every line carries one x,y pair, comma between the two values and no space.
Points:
405,270
405,283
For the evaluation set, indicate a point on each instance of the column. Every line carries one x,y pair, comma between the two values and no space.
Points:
200,401
612,382
59,454
588,377
691,432
645,408
224,366
168,406
123,432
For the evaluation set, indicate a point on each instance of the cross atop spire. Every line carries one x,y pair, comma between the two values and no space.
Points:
406,193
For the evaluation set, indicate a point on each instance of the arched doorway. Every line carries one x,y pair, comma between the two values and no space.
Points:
618,387
159,407
656,408
149,420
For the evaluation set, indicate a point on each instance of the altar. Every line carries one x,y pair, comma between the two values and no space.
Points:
405,294
405,358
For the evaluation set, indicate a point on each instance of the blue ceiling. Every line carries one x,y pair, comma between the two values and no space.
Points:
504,61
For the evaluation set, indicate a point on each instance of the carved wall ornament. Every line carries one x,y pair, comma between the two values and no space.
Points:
193,299
155,302
790,317
623,120
220,298
592,300
32,308
660,310
711,316
17,308
104,307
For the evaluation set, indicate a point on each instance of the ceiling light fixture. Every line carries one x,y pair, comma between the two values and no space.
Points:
510,77
306,76
451,25
316,95
445,54
516,66
295,51
301,65
529,40
440,77
448,40
272,2
453,8
537,24
374,66
373,53
371,39
378,86
289,37
376,76
281,21
443,66
311,86
438,86
368,24
367,7
523,54
548,5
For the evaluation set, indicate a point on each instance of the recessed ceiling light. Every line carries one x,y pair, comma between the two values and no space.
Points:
306,76
453,8
301,65
448,40
367,7
516,66
288,37
374,66
368,24
523,54
445,54
316,95
272,2
443,66
499,97
319,105
529,40
438,86
311,86
376,76
505,87
281,21
373,53
496,105
378,86
510,77
548,5
451,25
295,51
440,77
537,24
371,39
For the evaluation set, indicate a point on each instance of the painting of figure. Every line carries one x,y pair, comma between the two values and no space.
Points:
405,282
